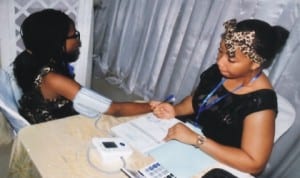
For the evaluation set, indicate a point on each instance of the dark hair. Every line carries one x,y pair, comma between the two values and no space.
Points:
44,32
44,35
269,40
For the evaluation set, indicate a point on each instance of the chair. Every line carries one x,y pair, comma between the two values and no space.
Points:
8,102
284,121
285,117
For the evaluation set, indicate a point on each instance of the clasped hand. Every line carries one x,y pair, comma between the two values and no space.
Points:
179,131
163,110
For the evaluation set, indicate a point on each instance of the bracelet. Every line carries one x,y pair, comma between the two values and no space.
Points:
200,140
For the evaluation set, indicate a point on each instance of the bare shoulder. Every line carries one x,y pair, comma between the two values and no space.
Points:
50,82
262,82
60,85
56,81
53,78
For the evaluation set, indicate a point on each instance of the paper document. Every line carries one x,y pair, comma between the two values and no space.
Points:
145,132
182,160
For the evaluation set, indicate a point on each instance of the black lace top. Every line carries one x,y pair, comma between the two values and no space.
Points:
223,122
36,109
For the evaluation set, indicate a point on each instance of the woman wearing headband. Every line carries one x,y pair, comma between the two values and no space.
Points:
234,103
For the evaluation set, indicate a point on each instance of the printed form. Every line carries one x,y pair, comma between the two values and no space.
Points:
145,132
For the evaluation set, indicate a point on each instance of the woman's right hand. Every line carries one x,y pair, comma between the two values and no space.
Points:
164,111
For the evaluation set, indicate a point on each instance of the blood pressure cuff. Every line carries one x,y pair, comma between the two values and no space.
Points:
90,103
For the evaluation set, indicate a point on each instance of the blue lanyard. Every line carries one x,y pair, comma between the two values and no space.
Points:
204,105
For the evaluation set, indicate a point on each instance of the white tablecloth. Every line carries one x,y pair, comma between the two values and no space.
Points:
60,149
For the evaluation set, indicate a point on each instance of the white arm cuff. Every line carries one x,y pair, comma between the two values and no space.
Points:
90,103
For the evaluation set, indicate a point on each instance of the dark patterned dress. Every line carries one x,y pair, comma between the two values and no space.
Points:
223,122
36,109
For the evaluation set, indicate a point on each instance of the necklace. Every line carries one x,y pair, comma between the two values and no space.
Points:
206,105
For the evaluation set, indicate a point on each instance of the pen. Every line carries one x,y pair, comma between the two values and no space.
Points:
132,174
170,99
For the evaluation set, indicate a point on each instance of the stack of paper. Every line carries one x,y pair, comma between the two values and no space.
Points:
146,134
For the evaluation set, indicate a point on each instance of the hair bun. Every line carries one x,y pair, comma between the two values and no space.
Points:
281,35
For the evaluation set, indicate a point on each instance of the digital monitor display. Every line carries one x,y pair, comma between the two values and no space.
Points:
109,144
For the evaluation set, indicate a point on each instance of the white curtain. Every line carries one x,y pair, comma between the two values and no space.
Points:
156,47
146,47
152,47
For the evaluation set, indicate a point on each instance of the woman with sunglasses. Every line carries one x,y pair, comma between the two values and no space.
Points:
44,73
234,104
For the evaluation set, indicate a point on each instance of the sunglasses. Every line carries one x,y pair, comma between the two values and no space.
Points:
75,36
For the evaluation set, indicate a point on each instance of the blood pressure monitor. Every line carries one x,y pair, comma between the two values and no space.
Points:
112,148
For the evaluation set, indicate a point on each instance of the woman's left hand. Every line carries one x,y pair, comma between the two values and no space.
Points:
182,133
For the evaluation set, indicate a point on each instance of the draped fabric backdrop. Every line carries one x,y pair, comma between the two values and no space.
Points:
156,47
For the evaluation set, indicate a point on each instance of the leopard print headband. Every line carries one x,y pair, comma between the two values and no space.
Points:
243,40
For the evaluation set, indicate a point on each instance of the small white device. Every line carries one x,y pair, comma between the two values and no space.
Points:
112,148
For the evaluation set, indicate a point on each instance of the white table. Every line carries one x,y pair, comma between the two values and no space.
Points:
60,149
